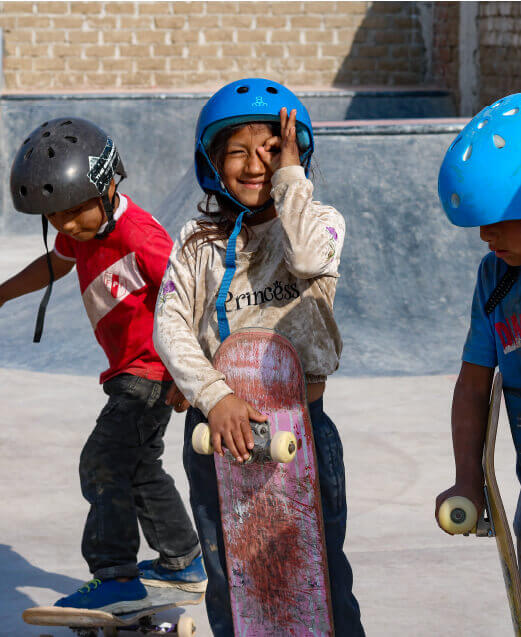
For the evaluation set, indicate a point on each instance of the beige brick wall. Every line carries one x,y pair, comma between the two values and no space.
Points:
173,45
500,52
445,49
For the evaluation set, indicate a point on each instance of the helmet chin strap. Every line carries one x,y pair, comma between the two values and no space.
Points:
231,261
108,205
45,300
231,265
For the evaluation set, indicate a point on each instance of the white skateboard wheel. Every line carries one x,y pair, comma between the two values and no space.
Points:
283,447
458,515
201,441
185,626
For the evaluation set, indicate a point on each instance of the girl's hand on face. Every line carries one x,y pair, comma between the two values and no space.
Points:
282,151
229,424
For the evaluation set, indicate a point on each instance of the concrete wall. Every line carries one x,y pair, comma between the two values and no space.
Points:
150,45
155,132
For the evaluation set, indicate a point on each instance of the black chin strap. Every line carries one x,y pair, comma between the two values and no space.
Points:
502,288
45,300
108,205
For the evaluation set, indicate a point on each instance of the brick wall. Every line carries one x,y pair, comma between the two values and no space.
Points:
445,48
170,45
500,53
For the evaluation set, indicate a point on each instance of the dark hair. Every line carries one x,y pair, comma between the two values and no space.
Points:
220,210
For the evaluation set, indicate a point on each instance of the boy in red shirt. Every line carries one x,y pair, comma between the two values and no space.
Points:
64,171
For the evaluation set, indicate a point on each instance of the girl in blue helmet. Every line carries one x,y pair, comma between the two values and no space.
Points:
262,253
480,185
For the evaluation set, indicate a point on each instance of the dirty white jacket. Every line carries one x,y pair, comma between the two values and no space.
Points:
286,275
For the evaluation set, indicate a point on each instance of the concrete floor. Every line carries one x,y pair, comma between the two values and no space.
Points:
410,578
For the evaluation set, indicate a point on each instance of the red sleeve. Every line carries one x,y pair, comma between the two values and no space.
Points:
154,252
64,247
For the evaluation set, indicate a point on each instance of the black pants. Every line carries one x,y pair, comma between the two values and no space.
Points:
122,478
205,506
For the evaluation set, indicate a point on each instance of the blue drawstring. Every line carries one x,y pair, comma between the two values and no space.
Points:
230,262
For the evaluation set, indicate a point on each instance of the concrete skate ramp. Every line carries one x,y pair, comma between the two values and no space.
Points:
155,132
407,274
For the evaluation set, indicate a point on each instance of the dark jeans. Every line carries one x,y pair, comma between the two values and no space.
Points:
122,478
205,507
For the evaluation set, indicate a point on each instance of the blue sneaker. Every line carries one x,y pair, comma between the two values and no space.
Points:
108,595
193,578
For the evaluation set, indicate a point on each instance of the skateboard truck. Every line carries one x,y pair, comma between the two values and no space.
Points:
281,448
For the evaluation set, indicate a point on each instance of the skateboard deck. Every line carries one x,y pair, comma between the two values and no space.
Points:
87,622
458,514
271,512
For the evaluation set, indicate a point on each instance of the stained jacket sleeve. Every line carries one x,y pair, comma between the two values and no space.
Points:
175,337
313,233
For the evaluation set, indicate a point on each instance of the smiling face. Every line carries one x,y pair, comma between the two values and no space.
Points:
504,238
243,172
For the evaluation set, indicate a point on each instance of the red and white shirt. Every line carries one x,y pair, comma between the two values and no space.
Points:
119,280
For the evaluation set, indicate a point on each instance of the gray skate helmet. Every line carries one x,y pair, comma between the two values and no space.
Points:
60,165
63,163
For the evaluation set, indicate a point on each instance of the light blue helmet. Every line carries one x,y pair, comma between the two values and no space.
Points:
243,101
480,178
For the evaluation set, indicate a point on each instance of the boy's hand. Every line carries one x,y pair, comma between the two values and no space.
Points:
473,491
279,152
229,424
176,399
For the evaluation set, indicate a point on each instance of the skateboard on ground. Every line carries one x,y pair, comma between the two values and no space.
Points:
87,622
459,515
270,504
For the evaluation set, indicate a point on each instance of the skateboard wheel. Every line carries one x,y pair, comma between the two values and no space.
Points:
283,447
457,515
185,626
201,441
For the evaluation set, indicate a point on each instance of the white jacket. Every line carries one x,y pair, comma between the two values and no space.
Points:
285,280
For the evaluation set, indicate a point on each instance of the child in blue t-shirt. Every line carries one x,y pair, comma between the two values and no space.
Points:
480,185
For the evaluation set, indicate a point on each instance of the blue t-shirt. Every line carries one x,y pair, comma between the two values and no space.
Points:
495,340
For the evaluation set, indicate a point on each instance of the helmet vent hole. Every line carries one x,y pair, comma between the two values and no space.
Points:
46,134
271,89
512,111
47,190
44,124
71,139
27,140
23,191
454,200
499,142
243,89
66,123
50,152
467,154
28,153
483,123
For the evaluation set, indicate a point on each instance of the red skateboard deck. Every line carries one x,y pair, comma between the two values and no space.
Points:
271,512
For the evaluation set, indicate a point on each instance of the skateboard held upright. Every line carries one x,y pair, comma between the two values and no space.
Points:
270,505
458,514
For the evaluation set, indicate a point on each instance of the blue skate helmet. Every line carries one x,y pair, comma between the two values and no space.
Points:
242,102
480,177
